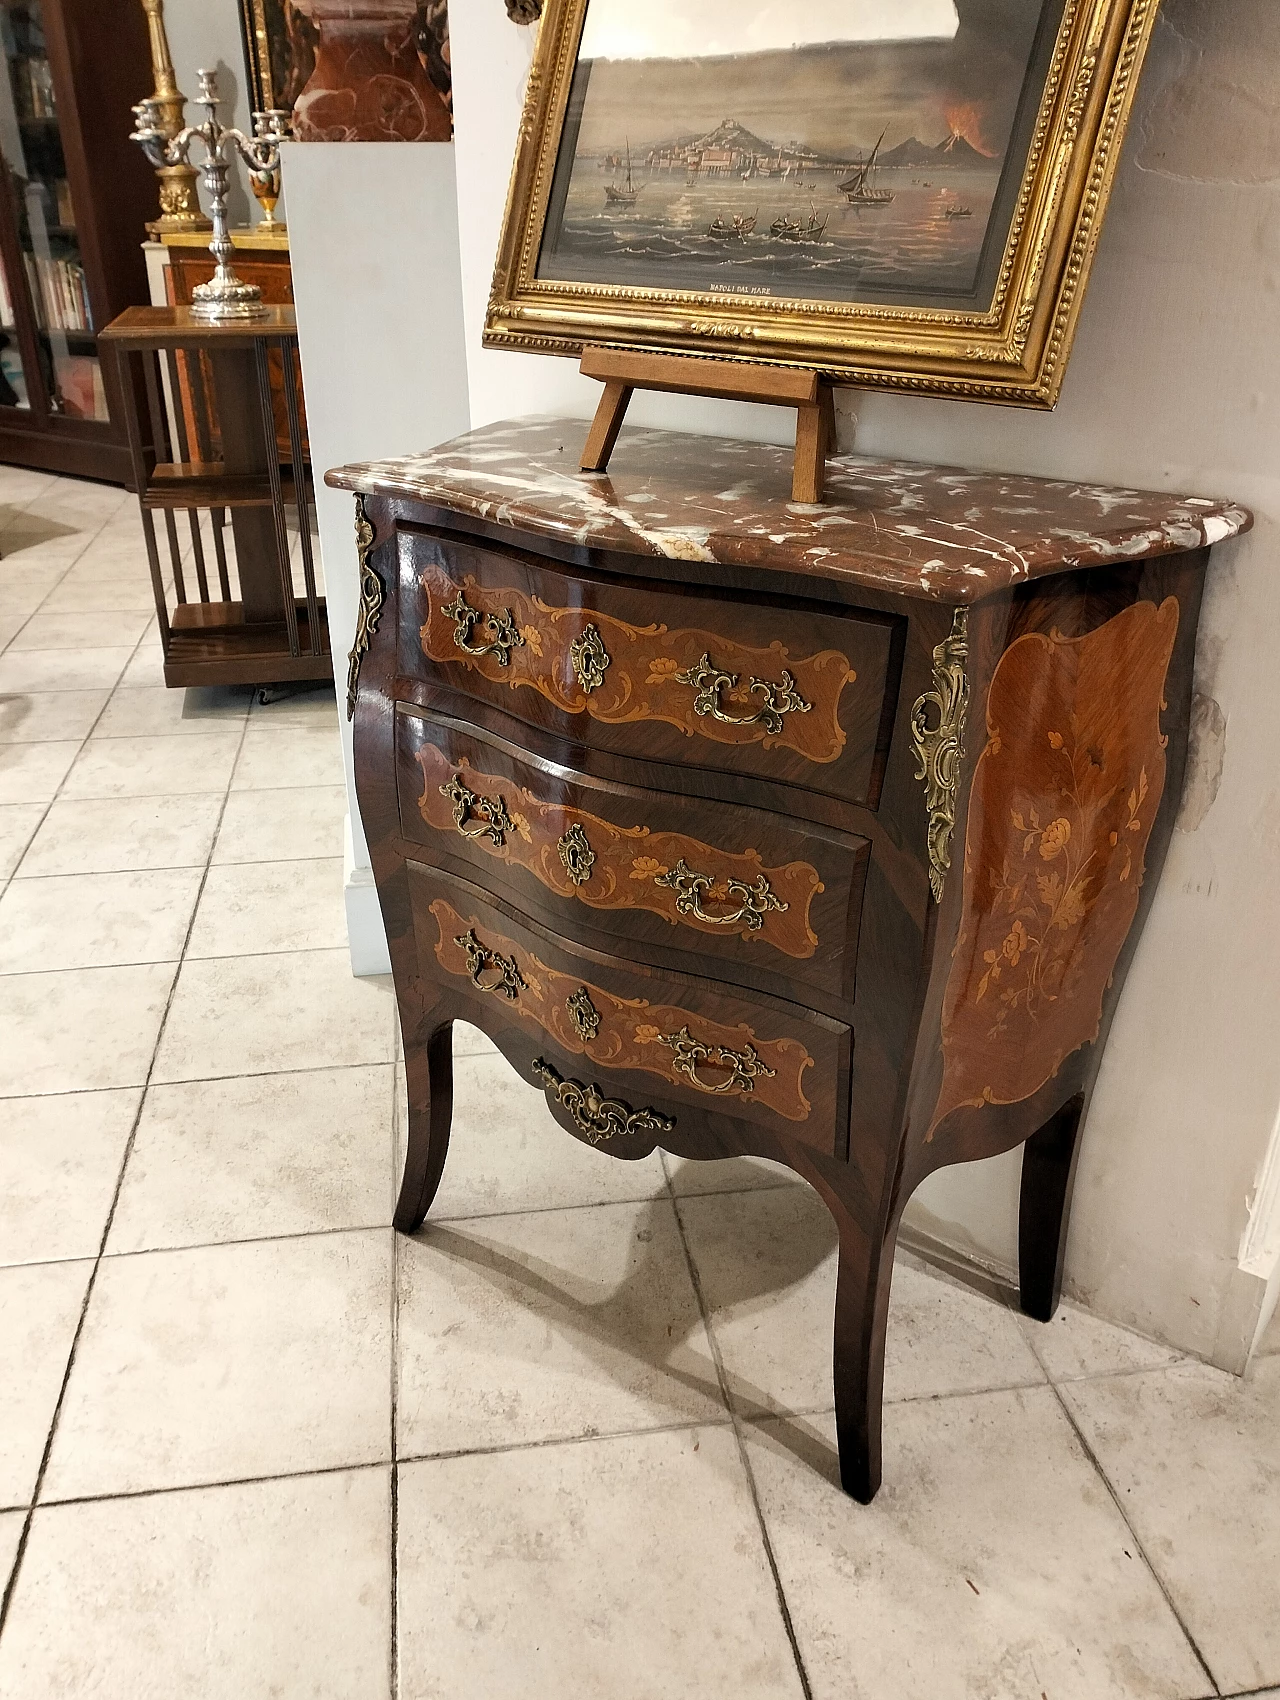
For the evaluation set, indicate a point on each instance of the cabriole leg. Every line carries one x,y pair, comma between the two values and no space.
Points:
1048,1176
862,1314
429,1071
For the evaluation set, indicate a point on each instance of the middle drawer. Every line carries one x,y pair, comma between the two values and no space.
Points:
742,885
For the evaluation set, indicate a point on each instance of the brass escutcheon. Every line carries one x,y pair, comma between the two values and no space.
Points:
503,635
576,854
596,1117
480,961
590,658
583,1013
708,681
754,901
743,1067
493,822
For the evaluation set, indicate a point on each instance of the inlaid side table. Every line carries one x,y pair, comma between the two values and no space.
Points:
820,833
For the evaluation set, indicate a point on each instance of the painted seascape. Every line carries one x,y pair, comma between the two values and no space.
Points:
858,169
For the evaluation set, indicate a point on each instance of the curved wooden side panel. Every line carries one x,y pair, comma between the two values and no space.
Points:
1064,798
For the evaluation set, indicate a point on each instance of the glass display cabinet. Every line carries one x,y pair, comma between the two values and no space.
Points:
74,201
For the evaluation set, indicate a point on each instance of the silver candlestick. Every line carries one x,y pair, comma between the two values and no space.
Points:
226,298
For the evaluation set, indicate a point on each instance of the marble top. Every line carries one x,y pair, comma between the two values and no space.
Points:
931,531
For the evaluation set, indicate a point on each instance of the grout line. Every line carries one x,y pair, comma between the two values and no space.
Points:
11,1584
194,1080
212,1486
1156,1577
500,1449
177,867
206,1245
752,1487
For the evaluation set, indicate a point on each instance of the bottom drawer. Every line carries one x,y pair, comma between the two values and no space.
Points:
655,1032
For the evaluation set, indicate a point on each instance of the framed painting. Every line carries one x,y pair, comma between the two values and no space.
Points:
352,70
901,194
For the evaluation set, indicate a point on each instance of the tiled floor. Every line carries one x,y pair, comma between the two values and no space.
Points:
575,1439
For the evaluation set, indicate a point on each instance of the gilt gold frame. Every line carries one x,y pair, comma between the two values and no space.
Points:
1013,352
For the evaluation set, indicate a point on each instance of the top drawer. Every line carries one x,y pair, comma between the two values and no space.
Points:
699,679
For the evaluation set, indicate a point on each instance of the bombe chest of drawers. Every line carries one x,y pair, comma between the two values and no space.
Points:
823,834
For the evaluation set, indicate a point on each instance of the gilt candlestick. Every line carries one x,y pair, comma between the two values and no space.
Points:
179,200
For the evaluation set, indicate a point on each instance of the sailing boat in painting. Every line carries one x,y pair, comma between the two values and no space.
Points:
859,189
616,197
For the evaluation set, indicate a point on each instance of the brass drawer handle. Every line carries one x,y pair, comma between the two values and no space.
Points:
510,981
596,1117
778,699
590,658
743,1068
754,901
583,1013
493,822
502,635
576,854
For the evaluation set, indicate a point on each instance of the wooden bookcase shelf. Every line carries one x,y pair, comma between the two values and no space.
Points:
75,195
230,385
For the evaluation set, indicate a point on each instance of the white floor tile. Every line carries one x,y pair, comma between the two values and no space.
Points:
10,1534
96,920
60,1160
316,707
251,1158
261,1589
122,835
64,630
81,1029
628,1568
1194,1456
286,825
146,667
18,825
154,767
256,907
40,1307
228,1362
143,711
88,590
558,1324
730,1174
993,1562
277,757
1077,1343
33,670
49,717
506,1153
32,773
268,1014
469,1041
767,1264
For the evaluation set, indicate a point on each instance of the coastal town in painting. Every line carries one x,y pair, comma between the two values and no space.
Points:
830,149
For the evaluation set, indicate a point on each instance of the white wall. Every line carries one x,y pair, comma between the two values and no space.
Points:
1174,386
373,239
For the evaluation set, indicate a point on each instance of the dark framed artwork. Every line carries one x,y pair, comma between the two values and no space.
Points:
352,70
903,193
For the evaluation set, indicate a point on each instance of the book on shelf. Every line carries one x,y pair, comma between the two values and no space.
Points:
61,292
78,381
6,300
66,211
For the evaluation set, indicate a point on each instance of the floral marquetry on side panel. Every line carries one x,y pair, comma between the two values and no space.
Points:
1065,795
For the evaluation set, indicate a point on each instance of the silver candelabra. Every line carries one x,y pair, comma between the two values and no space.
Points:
226,297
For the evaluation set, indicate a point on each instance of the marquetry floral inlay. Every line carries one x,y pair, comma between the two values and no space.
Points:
1065,795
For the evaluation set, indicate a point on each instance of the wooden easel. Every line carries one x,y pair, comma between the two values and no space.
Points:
624,371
